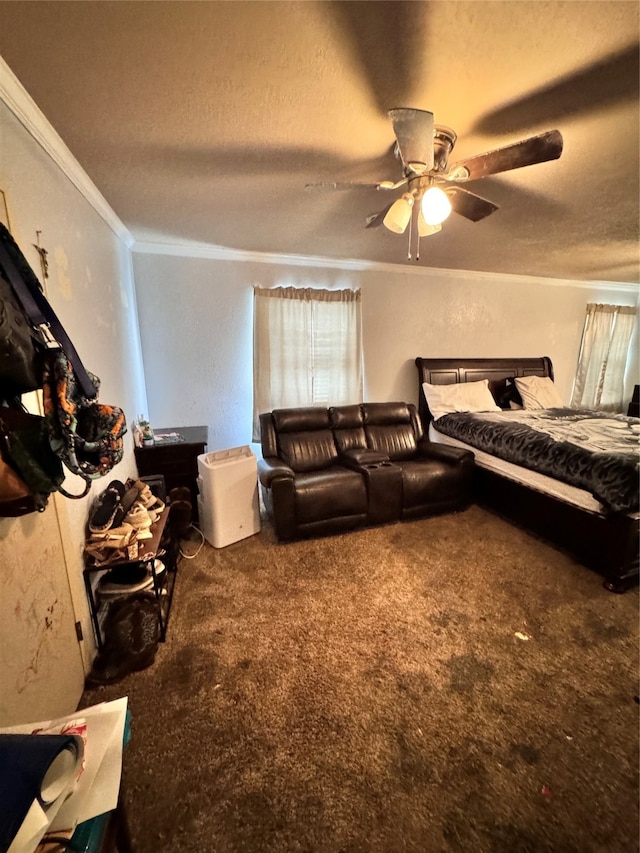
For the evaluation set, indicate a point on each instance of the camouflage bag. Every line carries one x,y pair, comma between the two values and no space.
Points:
85,434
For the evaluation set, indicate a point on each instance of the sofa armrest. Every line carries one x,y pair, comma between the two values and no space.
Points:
273,468
279,482
359,457
445,452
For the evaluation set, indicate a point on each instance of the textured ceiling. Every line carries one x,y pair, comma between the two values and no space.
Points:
203,121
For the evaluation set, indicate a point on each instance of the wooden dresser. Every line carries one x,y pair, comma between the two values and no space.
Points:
176,460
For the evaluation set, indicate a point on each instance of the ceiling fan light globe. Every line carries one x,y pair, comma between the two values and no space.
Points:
424,229
435,206
398,215
458,173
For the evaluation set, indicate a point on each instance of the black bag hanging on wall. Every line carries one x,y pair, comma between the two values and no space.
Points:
36,352
21,346
29,327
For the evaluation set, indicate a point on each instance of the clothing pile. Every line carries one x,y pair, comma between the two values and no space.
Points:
120,522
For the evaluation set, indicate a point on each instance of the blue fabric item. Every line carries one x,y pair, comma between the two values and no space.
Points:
24,761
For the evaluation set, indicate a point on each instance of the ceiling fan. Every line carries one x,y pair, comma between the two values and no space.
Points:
431,185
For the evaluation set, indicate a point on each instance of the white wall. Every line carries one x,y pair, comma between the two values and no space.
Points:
91,289
196,329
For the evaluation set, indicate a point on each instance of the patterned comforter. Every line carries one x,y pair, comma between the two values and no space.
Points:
595,451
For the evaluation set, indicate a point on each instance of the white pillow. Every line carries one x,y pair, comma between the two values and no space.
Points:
538,392
459,397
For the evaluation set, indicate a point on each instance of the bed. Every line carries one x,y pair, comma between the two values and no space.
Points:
600,529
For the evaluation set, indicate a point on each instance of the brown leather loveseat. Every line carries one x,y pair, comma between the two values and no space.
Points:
329,470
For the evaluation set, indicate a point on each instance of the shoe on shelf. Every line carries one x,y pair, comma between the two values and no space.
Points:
106,590
107,510
115,537
133,573
138,517
130,495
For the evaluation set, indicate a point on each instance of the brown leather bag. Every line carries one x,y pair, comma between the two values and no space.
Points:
15,496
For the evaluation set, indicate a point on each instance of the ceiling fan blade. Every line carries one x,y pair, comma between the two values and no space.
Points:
376,219
470,205
414,132
351,185
340,185
527,152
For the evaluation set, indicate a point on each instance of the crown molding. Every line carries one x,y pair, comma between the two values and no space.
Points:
220,253
24,108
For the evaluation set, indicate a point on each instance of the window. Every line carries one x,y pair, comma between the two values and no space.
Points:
603,357
307,349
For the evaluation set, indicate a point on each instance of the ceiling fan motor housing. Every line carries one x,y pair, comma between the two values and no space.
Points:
444,138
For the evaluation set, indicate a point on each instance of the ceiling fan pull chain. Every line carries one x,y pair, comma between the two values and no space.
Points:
410,231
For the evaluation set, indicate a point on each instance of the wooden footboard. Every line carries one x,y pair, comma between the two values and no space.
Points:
609,546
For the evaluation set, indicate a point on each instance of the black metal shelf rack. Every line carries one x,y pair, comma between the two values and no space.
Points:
161,545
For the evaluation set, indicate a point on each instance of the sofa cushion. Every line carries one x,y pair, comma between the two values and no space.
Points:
397,442
308,451
305,440
348,428
334,492
297,420
390,429
386,414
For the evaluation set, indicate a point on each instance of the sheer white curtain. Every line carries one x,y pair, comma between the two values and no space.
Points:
603,357
307,348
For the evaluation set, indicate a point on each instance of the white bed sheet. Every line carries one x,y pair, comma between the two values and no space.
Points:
539,482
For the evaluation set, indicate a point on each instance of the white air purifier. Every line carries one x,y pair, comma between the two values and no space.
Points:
228,503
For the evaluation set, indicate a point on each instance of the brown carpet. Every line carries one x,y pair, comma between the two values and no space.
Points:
444,684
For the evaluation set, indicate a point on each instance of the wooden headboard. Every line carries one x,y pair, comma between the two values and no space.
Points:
445,371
